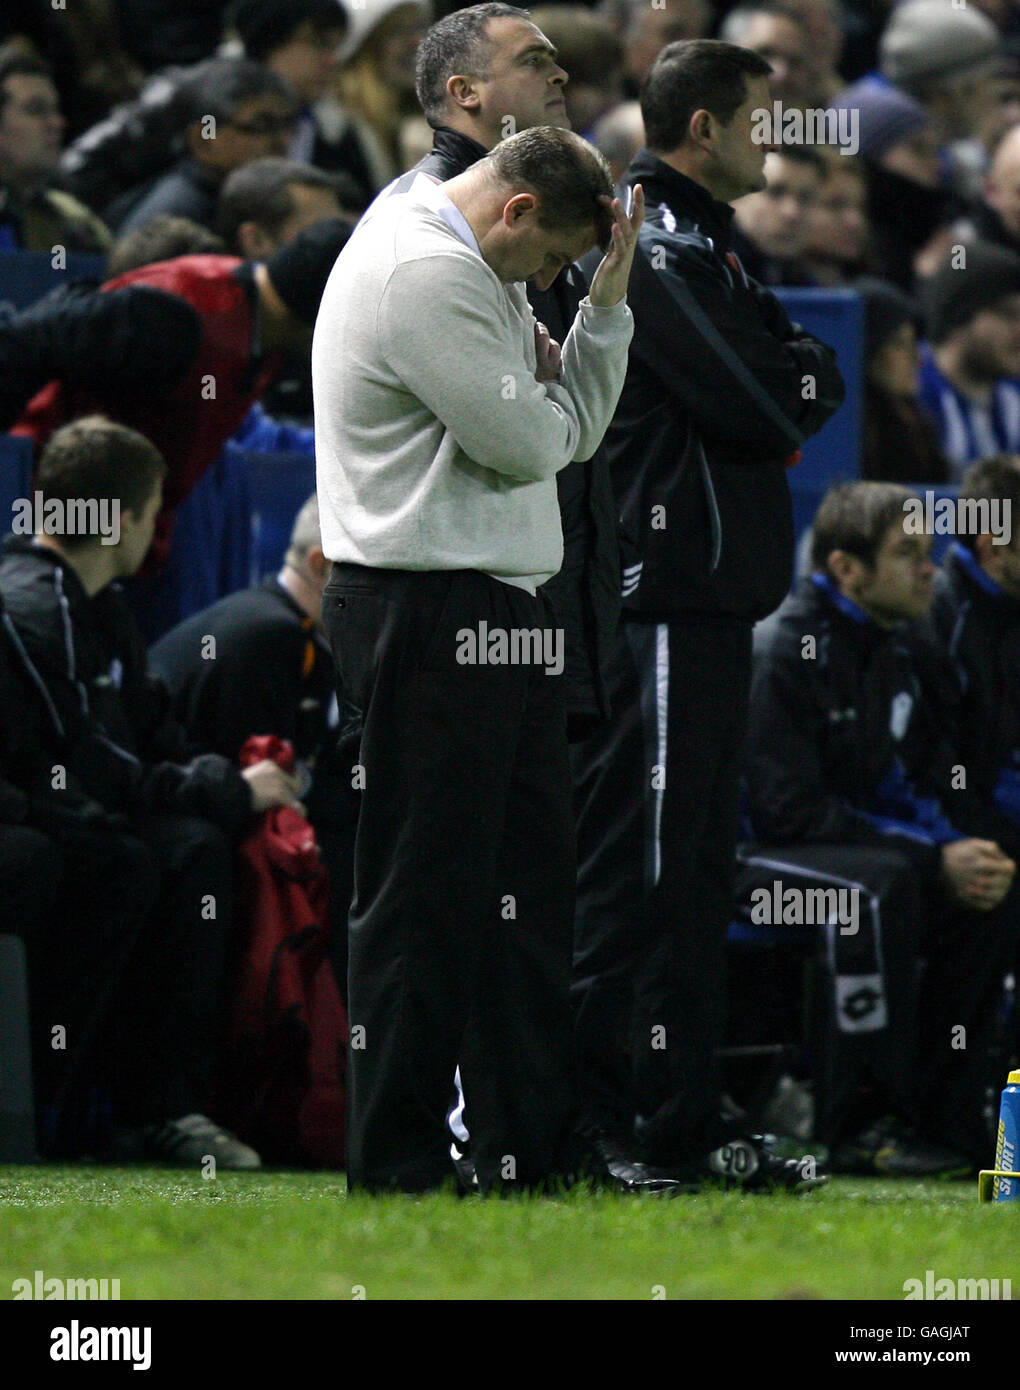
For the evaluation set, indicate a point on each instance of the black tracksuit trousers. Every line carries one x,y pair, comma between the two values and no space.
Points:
908,1006
128,961
864,1023
461,921
657,791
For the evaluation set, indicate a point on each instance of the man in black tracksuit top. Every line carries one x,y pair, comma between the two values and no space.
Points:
523,88
120,744
55,840
838,746
721,389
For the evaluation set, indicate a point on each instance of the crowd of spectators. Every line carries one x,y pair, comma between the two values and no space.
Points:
217,157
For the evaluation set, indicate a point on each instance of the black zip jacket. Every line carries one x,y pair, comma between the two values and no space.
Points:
32,746
832,736
969,655
585,594
120,738
721,390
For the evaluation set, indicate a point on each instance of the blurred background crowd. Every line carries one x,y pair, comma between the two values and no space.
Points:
134,133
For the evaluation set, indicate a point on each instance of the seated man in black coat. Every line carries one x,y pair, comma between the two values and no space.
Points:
838,735
256,662
98,492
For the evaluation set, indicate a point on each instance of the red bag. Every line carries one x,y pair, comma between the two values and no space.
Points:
281,1079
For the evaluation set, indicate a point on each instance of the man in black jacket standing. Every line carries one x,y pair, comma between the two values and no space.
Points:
721,392
484,73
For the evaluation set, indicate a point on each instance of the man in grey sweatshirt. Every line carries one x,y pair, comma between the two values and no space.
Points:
442,415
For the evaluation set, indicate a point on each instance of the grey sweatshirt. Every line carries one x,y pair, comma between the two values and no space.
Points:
436,448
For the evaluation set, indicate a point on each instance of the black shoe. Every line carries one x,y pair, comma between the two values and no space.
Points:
187,1142
751,1163
892,1149
616,1170
467,1178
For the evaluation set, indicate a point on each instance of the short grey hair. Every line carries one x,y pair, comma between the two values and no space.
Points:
305,533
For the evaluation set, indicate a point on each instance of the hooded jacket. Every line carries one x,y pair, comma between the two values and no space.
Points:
721,391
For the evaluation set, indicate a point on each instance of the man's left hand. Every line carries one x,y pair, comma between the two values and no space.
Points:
609,284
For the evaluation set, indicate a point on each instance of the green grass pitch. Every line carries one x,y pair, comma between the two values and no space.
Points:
286,1235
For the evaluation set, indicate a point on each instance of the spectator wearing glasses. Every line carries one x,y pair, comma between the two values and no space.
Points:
236,111
300,40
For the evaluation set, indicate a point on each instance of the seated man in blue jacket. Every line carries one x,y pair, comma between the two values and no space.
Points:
837,737
975,628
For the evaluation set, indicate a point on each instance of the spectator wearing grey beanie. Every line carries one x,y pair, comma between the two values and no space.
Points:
942,56
898,148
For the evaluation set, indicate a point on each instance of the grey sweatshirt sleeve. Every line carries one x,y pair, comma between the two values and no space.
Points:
594,367
448,331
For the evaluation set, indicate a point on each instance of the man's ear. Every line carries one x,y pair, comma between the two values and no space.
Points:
462,93
317,562
253,243
843,567
520,205
700,127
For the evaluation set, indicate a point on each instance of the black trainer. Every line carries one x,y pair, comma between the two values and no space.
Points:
892,1149
187,1142
751,1162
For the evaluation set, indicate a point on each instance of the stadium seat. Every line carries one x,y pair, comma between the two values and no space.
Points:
17,1111
279,485
26,276
15,476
